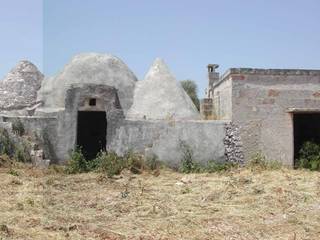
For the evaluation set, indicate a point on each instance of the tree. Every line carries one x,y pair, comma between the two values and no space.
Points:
191,89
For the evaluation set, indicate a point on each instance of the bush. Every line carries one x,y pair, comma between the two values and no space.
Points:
7,146
191,89
213,166
152,163
109,163
134,162
187,161
18,127
309,156
77,162
259,161
22,152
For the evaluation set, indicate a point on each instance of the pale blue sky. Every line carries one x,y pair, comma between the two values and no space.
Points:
20,33
187,34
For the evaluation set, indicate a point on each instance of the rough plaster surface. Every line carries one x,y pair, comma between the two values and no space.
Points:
260,103
160,96
76,100
90,68
162,138
222,100
19,88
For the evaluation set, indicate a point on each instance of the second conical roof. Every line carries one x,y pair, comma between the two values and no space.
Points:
160,96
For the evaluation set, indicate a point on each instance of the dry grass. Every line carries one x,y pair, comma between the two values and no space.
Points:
282,204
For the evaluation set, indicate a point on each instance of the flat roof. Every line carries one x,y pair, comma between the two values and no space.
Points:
303,110
265,71
272,71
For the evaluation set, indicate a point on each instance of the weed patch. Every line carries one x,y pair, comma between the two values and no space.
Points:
260,162
309,156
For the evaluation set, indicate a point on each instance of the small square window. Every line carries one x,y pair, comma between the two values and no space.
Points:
92,102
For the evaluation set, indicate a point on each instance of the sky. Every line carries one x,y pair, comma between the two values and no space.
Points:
21,33
187,34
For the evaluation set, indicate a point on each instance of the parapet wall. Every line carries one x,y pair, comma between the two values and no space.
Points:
163,138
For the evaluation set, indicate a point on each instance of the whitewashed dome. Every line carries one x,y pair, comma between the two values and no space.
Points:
90,68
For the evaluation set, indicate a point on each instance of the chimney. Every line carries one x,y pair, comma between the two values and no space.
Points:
212,74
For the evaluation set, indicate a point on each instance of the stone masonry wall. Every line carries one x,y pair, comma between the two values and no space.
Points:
233,144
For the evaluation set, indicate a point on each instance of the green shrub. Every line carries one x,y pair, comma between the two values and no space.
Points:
134,162
22,152
188,165
7,146
18,127
153,163
77,162
213,166
309,156
109,163
259,161
13,172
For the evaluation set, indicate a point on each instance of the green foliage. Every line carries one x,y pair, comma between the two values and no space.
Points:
134,162
105,162
77,162
153,163
109,163
259,161
191,89
13,172
18,127
214,166
22,152
309,156
7,146
188,165
18,151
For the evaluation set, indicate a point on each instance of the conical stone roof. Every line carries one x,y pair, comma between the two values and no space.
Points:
19,88
160,96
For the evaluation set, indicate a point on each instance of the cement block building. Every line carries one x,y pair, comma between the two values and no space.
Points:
97,103
277,110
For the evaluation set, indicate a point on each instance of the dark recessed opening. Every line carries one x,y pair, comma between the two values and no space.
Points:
92,102
306,128
91,133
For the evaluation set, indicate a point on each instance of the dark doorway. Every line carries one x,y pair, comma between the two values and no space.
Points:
91,133
306,128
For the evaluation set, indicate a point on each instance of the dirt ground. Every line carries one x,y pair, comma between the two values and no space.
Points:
241,204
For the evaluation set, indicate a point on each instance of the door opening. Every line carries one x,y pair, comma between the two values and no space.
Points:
306,128
91,133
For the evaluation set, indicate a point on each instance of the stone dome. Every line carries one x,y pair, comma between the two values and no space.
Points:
161,96
89,68
19,88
